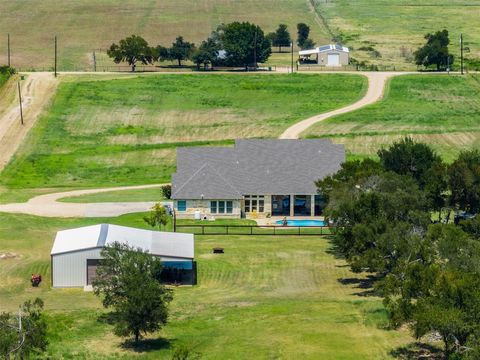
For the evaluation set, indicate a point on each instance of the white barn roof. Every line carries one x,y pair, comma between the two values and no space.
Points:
160,243
331,47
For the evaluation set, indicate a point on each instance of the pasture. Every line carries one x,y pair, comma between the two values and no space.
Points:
126,130
443,111
87,25
266,297
395,28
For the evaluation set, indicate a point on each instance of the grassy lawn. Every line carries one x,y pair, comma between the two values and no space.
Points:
443,111
126,130
396,28
150,194
86,25
266,297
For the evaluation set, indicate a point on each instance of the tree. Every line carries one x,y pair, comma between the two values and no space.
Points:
245,44
162,53
308,44
132,49
435,51
129,281
181,50
303,31
206,54
464,181
167,191
32,338
282,37
407,157
158,216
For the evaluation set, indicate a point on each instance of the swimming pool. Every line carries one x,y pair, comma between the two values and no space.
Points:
302,222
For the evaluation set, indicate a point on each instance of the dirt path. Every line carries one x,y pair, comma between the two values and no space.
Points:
37,91
49,206
376,87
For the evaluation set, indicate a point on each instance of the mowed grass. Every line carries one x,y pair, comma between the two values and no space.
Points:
266,297
150,194
83,26
441,110
126,130
396,28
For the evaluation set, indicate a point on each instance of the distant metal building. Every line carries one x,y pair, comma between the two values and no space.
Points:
76,252
327,55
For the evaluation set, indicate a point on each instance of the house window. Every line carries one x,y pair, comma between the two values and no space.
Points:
213,207
229,207
221,207
254,203
182,205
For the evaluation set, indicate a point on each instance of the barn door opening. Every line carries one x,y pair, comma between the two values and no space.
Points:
333,59
92,265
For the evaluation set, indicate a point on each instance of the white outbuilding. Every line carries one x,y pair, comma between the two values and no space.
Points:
327,55
76,252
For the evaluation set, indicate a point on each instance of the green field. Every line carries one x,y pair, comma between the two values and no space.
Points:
441,110
396,28
266,297
87,25
126,130
150,194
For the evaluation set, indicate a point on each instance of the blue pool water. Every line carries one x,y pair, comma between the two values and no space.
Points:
302,222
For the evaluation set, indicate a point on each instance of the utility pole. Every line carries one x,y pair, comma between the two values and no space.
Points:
8,49
291,47
20,101
55,55
255,50
461,53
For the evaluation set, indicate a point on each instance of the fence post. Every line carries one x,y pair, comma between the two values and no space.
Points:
299,230
227,229
274,228
251,229
203,229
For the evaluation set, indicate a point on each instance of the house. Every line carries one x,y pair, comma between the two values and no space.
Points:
75,253
327,55
255,178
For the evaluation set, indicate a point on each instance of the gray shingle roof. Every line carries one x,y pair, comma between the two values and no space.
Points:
266,167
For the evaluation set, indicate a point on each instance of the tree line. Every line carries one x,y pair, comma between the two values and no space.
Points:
234,44
393,218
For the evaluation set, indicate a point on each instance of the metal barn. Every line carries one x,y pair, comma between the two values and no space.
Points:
76,252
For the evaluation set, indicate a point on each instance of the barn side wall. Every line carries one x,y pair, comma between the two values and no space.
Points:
70,269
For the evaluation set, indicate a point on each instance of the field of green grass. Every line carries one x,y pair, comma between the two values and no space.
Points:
396,28
266,297
150,194
441,110
126,130
87,25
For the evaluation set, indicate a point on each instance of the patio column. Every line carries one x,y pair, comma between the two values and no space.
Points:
312,206
292,205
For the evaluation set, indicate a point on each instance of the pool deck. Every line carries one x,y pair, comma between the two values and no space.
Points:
272,220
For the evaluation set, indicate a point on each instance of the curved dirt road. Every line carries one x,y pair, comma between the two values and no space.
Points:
376,87
49,206
37,91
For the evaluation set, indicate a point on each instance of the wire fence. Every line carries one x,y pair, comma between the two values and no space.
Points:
255,230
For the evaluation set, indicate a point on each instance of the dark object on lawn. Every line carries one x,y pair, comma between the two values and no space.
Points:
218,250
463,216
36,279
285,221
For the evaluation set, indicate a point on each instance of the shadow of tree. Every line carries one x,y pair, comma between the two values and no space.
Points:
146,345
366,284
416,351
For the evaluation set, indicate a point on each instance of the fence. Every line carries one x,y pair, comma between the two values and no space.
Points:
255,230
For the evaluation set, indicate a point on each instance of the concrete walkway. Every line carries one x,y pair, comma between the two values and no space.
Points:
49,206
376,88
